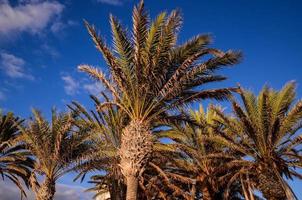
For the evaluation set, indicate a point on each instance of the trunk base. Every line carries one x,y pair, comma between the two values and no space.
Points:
132,186
46,191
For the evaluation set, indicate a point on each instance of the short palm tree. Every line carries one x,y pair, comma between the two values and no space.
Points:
56,146
104,129
151,75
201,163
15,161
264,129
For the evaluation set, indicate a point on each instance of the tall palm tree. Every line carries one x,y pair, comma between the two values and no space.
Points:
266,133
152,75
15,160
56,146
105,130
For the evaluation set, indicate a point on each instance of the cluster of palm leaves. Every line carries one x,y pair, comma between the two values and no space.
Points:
37,153
142,141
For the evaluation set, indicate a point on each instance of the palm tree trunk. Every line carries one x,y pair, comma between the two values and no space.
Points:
132,185
135,150
206,193
47,190
270,186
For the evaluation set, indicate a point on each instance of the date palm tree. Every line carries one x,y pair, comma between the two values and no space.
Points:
104,129
150,75
56,146
201,163
15,160
266,129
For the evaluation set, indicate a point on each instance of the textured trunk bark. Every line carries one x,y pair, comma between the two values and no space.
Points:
132,185
270,186
135,150
206,194
46,190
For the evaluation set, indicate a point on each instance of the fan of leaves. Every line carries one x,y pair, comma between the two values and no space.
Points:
265,130
104,130
150,73
56,145
15,161
199,167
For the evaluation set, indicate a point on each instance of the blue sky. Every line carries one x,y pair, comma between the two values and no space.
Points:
42,42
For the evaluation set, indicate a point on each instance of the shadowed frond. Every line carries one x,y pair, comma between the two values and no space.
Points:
15,161
266,128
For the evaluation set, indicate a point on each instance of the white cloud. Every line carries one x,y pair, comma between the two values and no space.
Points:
74,86
9,191
71,86
28,16
59,26
94,88
71,192
13,66
30,1
111,2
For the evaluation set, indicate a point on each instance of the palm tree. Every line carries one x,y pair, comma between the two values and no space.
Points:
264,129
152,75
200,163
56,145
15,161
104,129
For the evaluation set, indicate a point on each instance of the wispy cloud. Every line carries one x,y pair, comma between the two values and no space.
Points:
9,191
94,88
13,66
28,16
59,26
72,192
111,2
71,86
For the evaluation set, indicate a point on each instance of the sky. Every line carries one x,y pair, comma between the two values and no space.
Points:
43,42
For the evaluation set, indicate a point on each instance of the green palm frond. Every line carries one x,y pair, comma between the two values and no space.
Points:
265,133
150,72
56,144
15,161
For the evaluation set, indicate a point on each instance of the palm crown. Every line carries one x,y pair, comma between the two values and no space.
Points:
201,164
150,72
56,147
264,130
